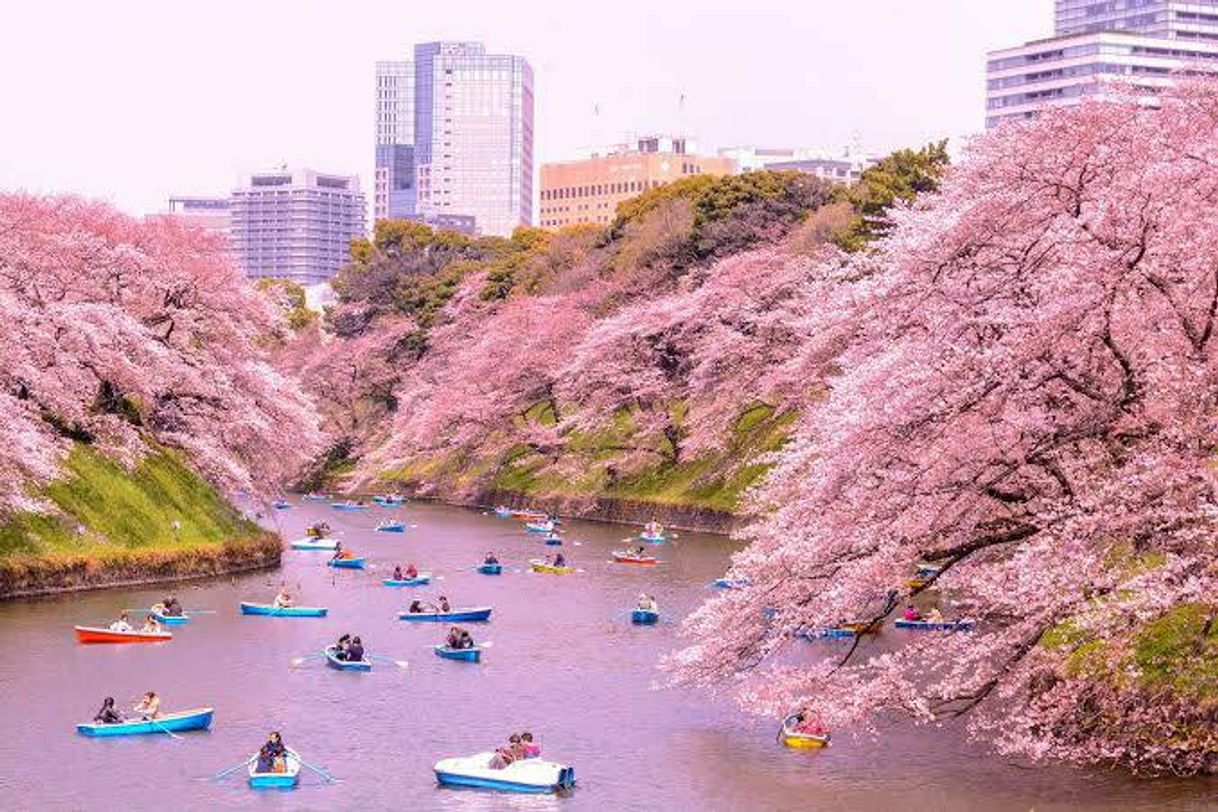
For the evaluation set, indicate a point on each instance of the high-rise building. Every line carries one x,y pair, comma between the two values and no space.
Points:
296,225
1137,43
468,150
210,213
589,190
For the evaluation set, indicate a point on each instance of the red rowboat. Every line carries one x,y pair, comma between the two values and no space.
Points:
630,558
90,634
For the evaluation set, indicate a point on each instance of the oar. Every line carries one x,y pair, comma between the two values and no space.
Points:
164,729
233,769
299,660
399,663
201,612
317,770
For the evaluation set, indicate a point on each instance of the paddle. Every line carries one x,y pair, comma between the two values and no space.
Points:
399,663
201,612
164,729
300,660
317,770
233,769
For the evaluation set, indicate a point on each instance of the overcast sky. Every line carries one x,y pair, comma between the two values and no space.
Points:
134,100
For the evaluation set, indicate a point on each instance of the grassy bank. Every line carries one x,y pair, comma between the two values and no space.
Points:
113,525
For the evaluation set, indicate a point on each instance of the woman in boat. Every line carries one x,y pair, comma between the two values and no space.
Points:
355,651
454,638
271,758
149,706
466,640
647,603
411,570
490,558
444,607
284,599
911,614
122,624
151,626
108,715
531,750
340,648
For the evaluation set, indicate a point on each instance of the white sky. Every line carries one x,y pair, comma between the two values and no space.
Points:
134,100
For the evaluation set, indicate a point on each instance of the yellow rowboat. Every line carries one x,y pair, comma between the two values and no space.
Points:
541,566
793,738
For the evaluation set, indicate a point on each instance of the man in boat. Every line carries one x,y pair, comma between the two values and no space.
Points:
397,573
911,614
122,624
108,715
149,706
355,651
467,640
272,756
453,640
171,607
340,648
284,599
444,607
490,558
559,561
415,608
640,551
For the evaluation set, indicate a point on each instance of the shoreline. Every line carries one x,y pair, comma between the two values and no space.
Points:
57,575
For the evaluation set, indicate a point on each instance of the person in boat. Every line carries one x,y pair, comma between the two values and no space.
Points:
339,552
272,758
809,725
531,750
149,706
171,607
490,558
911,614
467,641
453,640
397,573
411,570
355,651
444,607
647,603
639,552
122,624
559,561
340,648
415,608
108,715
151,626
934,615
284,599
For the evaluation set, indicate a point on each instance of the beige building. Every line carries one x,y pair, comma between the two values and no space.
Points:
589,190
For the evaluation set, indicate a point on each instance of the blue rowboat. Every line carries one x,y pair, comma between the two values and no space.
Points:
389,501
651,539
464,615
347,506
194,719
469,655
282,611
170,620
826,634
928,626
644,617
281,505
344,665
490,569
391,527
315,497
288,779
729,583
503,512
315,544
539,527
527,775
552,540
422,579
347,563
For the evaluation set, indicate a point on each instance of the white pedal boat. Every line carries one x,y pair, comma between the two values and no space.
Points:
526,775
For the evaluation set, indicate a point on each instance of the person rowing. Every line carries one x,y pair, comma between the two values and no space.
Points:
444,607
107,715
122,624
490,558
397,573
415,608
559,561
411,570
149,706
911,614
647,603
272,757
934,615
171,607
355,651
284,599
339,552
453,640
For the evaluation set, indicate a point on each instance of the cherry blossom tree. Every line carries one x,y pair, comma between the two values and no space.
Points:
1027,398
122,332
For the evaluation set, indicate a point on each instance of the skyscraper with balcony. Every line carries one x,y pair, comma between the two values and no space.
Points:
1138,43
296,225
470,141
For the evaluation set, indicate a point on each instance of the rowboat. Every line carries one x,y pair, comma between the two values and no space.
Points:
193,719
826,633
281,505
315,497
421,579
931,626
288,779
526,775
169,620
92,634
651,538
929,570
503,512
529,515
315,544
468,615
552,539
644,617
330,653
793,738
346,563
282,611
490,569
348,506
469,655
541,566
391,527
389,501
630,558
539,527
730,583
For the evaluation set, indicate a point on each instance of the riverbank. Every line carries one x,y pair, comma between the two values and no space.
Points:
608,509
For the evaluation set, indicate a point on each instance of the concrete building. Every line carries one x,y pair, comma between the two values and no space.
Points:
845,167
296,225
468,149
589,190
210,213
1135,43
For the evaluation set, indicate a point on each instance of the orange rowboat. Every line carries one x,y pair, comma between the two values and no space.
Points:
90,634
629,558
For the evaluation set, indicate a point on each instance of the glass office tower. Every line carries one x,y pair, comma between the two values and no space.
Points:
1175,19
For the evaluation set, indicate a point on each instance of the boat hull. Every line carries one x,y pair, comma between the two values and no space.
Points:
645,561
422,579
347,563
343,507
457,615
284,780
553,541
282,611
391,528
195,719
530,775
927,626
728,583
802,741
468,655
550,569
490,569
826,634
643,617
650,539
315,544
91,634
344,665
170,620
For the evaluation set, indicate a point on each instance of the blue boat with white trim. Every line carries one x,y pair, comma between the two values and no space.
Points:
346,563
469,615
935,626
193,719
644,617
288,779
282,611
531,775
422,579
391,527
469,655
490,569
332,660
